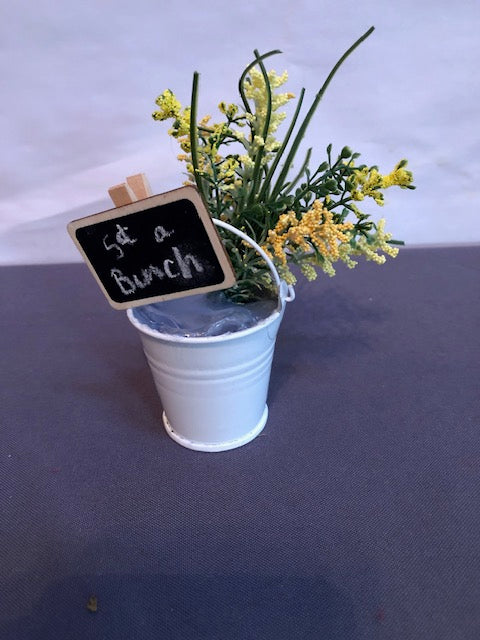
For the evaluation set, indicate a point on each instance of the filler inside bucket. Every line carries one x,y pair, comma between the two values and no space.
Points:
203,315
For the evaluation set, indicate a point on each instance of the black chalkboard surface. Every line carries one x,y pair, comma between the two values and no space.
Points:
155,249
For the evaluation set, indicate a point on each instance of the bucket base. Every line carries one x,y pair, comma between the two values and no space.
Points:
215,446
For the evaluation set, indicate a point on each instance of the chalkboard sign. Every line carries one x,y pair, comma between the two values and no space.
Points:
155,249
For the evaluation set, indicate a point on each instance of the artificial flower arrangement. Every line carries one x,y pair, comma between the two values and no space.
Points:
300,216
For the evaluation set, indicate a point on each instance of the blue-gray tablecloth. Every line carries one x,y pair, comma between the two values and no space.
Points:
355,515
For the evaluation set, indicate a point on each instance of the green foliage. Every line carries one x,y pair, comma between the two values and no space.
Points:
246,177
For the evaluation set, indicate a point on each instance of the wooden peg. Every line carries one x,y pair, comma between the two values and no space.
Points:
122,194
139,185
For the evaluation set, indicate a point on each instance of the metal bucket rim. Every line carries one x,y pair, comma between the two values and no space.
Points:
234,335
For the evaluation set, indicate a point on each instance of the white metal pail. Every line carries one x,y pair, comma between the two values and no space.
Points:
214,389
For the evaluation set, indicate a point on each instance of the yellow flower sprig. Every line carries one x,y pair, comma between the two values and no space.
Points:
315,230
368,182
242,170
316,240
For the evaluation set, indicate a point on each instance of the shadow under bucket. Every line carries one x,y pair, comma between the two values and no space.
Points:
214,389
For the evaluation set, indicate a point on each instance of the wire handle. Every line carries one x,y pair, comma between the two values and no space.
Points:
286,292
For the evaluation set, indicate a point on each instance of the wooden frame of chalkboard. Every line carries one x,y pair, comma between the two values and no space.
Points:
155,249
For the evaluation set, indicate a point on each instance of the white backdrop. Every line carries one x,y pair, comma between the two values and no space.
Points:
79,81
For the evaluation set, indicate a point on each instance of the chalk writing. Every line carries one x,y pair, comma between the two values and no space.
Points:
130,284
184,263
113,246
122,238
161,234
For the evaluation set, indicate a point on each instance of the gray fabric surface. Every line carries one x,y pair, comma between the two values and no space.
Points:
355,515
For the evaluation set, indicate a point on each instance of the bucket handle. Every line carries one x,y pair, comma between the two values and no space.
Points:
286,293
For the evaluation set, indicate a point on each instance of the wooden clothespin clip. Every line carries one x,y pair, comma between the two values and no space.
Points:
135,188
140,186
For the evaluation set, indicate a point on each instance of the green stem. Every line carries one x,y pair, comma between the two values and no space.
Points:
244,75
298,138
279,153
291,184
216,187
260,153
194,138
343,202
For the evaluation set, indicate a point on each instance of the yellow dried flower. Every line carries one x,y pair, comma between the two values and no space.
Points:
308,271
230,110
169,106
367,182
315,230
300,216
399,176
